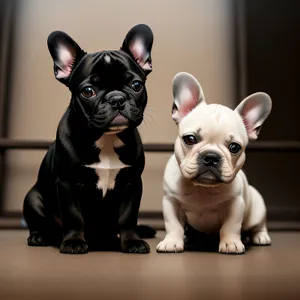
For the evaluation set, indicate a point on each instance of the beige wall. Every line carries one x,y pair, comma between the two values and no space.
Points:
191,35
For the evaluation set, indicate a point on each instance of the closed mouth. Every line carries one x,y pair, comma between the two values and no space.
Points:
118,124
207,178
119,120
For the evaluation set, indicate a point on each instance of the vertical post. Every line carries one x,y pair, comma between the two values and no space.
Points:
239,31
7,22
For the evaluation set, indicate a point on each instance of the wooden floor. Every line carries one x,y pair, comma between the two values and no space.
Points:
43,273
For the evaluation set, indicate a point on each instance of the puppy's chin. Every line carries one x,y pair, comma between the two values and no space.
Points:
118,124
212,181
206,183
207,179
209,185
115,129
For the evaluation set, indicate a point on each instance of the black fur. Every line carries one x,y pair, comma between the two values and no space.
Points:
65,207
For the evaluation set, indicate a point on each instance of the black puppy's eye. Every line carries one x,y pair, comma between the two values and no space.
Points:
88,92
189,139
234,148
136,86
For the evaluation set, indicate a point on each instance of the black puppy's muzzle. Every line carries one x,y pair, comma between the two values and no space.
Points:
116,100
116,110
120,103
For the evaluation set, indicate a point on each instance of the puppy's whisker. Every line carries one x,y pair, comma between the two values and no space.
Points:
150,107
148,122
149,116
149,110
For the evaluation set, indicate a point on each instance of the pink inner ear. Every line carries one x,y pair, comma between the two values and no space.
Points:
188,100
147,66
140,54
137,50
251,114
66,61
187,106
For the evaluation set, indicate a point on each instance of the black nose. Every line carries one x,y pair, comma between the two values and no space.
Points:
210,159
117,102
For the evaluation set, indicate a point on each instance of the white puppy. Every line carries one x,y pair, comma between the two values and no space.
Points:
204,185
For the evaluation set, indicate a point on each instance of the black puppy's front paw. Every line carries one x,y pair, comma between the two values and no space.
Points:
37,239
74,247
135,246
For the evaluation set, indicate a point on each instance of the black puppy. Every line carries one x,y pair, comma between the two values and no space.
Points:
89,185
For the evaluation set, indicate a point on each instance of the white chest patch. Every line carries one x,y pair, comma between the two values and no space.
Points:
110,165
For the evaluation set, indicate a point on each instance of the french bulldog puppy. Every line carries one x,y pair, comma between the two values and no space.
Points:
204,186
89,184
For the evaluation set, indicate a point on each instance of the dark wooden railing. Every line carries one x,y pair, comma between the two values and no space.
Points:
259,146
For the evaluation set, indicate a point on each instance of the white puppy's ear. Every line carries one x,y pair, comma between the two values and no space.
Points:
254,110
187,94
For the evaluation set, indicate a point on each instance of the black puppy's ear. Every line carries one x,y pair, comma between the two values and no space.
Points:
65,53
138,43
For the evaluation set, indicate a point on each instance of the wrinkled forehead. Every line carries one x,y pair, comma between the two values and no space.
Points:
213,119
107,65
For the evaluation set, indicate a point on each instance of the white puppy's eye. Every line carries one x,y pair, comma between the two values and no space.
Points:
234,148
189,139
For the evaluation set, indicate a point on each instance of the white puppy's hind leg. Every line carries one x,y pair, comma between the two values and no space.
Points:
174,223
257,219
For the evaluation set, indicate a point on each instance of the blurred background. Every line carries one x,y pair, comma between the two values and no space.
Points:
232,47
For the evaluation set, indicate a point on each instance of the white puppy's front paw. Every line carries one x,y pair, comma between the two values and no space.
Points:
261,238
231,247
171,245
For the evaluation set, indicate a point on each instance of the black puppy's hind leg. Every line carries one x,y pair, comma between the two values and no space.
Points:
34,214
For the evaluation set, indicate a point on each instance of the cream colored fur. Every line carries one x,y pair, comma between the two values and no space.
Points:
227,204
